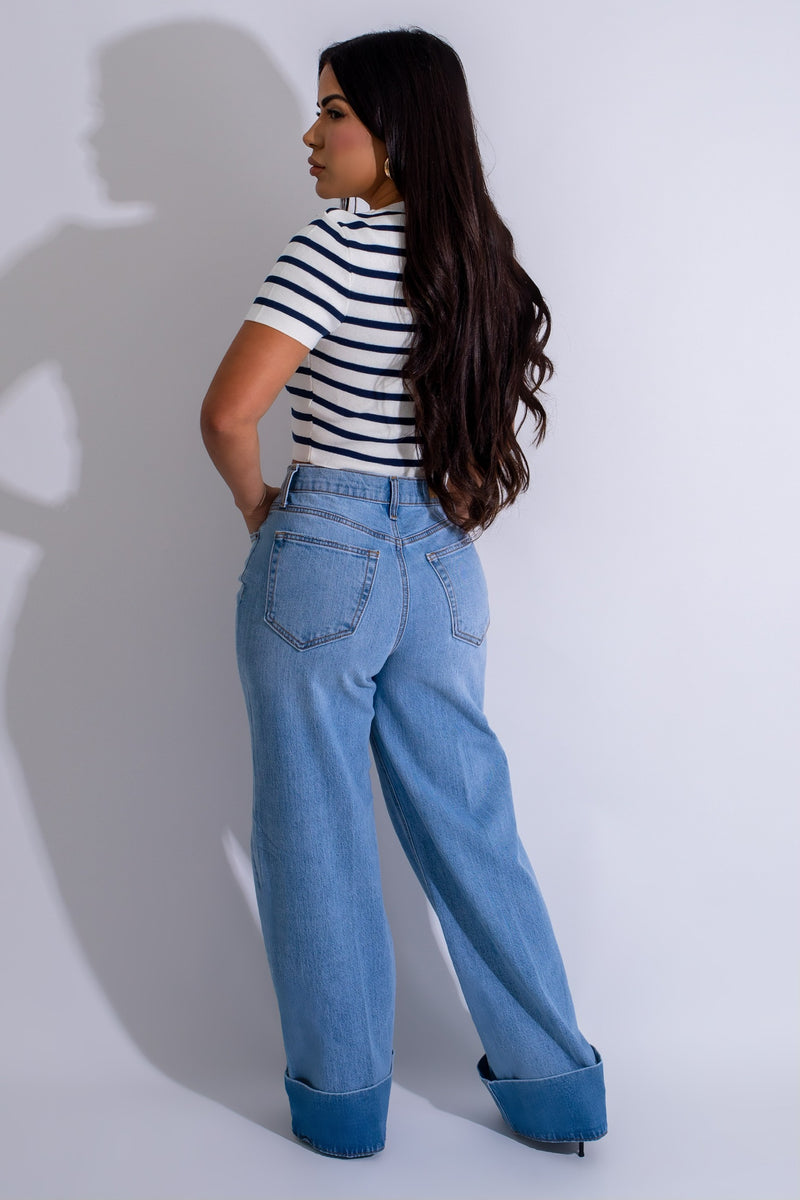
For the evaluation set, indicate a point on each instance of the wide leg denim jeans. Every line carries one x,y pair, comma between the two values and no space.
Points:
361,620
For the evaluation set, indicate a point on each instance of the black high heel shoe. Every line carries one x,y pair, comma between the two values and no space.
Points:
557,1147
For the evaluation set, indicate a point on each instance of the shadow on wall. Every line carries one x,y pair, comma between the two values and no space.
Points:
124,704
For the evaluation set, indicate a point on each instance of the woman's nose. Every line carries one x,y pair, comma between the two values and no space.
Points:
310,134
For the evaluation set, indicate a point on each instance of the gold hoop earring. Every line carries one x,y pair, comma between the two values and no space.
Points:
386,169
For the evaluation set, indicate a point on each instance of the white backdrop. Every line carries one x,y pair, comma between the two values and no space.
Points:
644,648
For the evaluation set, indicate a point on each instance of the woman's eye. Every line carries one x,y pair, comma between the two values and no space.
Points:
331,112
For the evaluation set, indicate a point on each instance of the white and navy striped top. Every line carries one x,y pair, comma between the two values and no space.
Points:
337,289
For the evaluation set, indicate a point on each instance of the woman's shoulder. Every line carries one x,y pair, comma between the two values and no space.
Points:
337,233
365,228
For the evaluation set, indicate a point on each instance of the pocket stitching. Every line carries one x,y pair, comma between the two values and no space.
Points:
364,552
444,578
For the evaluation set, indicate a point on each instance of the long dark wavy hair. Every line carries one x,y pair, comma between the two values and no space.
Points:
477,352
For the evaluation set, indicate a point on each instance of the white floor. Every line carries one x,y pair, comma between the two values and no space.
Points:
142,1136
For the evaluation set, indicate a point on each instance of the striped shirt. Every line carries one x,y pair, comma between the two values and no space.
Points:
337,289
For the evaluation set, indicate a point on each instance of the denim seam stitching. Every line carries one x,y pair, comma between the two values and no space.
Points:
452,600
433,557
296,490
371,556
335,1152
423,533
371,1087
451,549
385,537
404,610
598,1132
369,499
290,535
547,1078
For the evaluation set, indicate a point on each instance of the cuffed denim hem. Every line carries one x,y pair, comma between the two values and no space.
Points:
340,1124
558,1108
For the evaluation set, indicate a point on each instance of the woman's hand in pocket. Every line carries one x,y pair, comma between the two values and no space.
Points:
256,517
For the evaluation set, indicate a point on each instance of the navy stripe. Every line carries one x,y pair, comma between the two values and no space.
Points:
354,415
387,462
380,418
368,216
344,432
353,366
304,320
301,291
399,326
368,299
373,225
309,270
301,240
341,341
350,242
397,397
367,393
371,273
367,272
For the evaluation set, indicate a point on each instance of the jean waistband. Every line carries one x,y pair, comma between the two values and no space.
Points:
308,477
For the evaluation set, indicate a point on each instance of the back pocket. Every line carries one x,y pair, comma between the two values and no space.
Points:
461,575
317,590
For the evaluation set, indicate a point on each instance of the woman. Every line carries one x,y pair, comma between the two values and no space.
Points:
406,336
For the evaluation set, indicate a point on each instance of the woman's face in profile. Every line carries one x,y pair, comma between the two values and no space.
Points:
350,160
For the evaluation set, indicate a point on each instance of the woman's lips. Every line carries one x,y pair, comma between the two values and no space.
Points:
315,170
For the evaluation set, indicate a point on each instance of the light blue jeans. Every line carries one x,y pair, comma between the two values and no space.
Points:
361,620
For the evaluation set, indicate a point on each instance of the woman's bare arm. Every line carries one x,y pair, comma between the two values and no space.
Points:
258,363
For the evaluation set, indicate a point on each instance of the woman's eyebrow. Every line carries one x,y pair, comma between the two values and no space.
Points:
333,96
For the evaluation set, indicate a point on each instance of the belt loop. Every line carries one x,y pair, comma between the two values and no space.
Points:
394,495
284,492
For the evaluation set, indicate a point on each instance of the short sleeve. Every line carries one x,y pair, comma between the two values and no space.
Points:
307,292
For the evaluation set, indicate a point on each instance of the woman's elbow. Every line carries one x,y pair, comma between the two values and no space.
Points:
212,420
220,416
